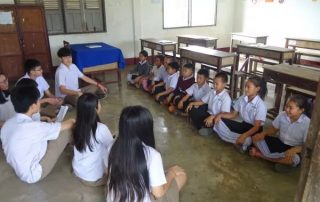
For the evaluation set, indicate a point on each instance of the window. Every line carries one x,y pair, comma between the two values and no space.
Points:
189,13
72,16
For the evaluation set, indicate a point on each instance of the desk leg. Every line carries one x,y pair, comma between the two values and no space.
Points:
152,59
119,77
231,45
278,91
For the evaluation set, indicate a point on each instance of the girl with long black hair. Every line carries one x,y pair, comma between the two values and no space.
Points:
6,107
91,138
134,167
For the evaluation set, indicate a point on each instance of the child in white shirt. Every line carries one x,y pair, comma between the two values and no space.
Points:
91,139
292,128
32,147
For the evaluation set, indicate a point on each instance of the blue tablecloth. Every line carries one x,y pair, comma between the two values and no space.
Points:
92,54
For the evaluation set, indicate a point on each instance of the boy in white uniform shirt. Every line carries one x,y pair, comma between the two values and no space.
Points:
32,148
67,80
170,84
203,112
33,71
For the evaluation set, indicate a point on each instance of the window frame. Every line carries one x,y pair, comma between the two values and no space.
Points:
62,8
190,17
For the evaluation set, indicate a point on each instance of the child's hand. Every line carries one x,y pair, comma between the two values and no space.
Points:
290,153
209,121
103,88
241,139
157,96
176,170
180,105
217,118
189,107
54,101
258,137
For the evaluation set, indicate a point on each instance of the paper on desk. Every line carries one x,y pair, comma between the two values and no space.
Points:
93,46
165,41
6,18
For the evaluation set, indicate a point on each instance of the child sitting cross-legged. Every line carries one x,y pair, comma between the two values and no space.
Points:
162,92
184,82
203,112
141,71
292,128
32,147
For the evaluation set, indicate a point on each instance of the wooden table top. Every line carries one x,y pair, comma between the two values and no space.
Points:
191,36
309,73
159,41
252,35
304,39
266,47
208,51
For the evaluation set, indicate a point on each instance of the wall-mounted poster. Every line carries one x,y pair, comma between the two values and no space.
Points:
6,18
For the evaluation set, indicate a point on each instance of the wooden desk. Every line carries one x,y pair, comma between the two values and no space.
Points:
270,52
212,57
294,75
248,38
159,45
197,40
311,44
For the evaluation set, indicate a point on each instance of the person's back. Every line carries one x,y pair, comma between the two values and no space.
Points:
134,167
91,139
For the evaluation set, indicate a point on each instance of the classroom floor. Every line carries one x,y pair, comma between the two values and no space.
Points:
216,171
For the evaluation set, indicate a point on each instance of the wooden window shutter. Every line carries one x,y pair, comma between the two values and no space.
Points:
93,15
54,17
73,16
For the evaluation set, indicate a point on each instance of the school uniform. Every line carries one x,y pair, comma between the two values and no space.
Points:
69,77
154,74
88,165
170,82
215,104
230,130
43,85
182,85
32,148
157,176
142,69
290,135
161,75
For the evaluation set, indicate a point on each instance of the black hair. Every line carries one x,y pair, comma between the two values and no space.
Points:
260,82
189,66
26,82
174,65
223,76
64,52
31,64
144,53
23,97
203,72
128,174
301,102
161,57
86,122
4,93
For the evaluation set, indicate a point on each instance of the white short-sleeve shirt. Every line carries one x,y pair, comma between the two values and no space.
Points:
42,84
172,80
155,168
293,134
89,165
68,77
161,75
217,103
24,142
197,92
256,110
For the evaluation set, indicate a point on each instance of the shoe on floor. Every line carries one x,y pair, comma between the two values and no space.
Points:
205,131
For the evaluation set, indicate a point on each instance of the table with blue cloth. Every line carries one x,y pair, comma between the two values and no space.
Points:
93,58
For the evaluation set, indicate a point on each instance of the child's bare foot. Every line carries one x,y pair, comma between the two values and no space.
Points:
254,152
172,109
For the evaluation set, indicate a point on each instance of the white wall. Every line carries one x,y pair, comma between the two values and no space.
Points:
7,1
295,18
147,17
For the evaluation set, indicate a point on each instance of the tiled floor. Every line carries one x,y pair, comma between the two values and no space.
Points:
216,171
